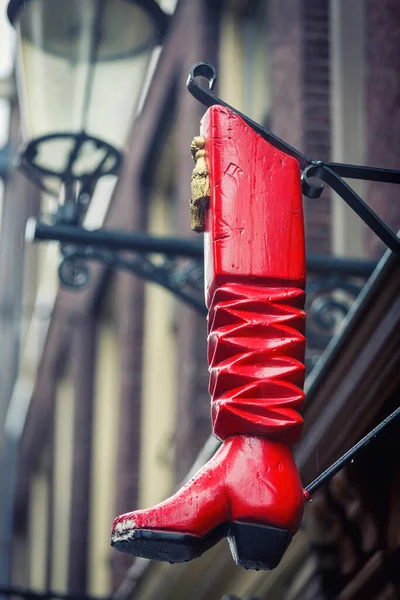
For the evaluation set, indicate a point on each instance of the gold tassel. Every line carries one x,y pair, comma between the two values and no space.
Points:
200,185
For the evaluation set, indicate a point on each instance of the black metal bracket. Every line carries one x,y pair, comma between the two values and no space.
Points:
175,264
328,172
182,279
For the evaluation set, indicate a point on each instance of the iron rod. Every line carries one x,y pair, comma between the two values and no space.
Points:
321,263
116,240
122,240
379,174
350,454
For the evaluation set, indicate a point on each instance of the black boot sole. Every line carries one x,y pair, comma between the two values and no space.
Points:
167,545
252,546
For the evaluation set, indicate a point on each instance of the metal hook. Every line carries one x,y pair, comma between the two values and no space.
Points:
202,69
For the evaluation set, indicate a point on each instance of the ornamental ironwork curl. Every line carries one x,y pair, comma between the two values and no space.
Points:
73,271
182,277
329,299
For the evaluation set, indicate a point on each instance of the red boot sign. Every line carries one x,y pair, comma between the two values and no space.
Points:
250,491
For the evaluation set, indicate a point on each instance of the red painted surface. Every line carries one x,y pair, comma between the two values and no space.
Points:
256,353
255,275
250,479
254,227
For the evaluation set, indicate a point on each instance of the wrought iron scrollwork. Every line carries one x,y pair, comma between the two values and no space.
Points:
328,300
182,277
73,271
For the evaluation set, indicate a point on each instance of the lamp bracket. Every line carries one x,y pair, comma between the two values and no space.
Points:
328,172
176,264
184,278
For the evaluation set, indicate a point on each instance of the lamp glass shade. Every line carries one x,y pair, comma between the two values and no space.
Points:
82,64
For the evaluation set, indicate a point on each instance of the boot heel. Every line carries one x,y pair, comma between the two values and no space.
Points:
258,546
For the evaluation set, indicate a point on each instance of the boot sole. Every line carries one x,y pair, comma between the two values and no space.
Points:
167,546
252,546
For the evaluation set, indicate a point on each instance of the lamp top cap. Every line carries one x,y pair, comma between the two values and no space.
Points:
151,6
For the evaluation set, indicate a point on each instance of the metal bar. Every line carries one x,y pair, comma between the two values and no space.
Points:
345,266
121,240
116,240
365,173
351,454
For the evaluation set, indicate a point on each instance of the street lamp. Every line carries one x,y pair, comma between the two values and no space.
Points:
81,68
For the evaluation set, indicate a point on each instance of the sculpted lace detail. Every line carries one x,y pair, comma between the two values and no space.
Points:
256,355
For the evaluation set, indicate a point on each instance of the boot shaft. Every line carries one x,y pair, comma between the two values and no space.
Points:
254,226
255,277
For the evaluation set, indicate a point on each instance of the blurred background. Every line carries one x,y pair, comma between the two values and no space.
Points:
104,405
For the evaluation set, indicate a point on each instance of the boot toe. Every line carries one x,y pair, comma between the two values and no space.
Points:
122,527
